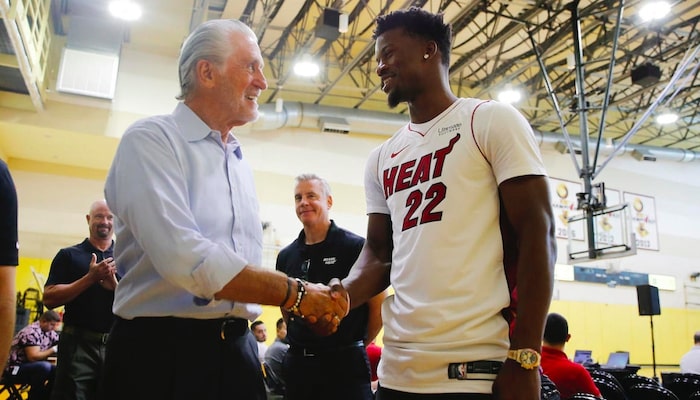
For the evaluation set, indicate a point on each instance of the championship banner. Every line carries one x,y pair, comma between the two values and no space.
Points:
609,229
564,206
643,216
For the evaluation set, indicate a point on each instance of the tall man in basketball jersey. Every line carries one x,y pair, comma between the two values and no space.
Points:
458,218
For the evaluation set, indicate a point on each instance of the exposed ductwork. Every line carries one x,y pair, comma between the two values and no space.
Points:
303,115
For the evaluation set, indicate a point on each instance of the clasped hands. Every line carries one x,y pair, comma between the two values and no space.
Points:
324,307
104,272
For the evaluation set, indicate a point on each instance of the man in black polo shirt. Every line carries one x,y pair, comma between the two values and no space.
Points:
83,278
334,366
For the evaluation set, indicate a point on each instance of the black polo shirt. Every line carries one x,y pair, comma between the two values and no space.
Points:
92,309
319,263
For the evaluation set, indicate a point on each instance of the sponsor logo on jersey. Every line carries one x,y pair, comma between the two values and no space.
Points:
448,129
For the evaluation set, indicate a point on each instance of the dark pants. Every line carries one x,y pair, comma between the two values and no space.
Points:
38,374
79,365
389,394
179,358
342,374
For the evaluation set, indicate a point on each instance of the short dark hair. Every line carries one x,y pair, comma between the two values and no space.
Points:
280,322
556,329
255,325
417,22
697,337
50,316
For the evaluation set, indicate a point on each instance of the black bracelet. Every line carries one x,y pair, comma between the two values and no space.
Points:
289,291
301,291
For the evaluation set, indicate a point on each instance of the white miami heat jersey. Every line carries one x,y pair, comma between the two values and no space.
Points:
439,182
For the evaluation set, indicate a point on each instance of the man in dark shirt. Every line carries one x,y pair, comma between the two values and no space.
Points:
569,377
9,258
274,357
335,366
83,278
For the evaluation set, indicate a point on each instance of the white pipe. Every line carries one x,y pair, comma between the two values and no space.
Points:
303,115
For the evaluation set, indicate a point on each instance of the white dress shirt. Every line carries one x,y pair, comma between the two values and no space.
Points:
186,218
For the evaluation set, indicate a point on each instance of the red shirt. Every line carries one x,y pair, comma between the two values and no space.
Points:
570,378
374,353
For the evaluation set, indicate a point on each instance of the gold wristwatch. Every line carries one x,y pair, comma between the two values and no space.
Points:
527,358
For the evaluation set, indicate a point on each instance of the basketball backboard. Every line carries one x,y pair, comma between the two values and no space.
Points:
612,235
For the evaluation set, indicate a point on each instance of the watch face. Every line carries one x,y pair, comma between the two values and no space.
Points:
528,359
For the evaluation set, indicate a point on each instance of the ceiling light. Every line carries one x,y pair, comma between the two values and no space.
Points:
666,117
509,96
654,10
125,9
306,67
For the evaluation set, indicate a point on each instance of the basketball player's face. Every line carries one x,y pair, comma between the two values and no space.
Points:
312,203
399,56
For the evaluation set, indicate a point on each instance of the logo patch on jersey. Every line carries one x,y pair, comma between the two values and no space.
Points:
329,260
397,153
448,129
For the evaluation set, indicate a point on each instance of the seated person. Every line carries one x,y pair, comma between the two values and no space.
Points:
260,332
274,357
569,377
690,362
31,348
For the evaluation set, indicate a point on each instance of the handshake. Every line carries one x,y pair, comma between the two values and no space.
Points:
322,307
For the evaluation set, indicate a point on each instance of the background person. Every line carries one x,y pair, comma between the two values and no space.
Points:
31,348
274,357
260,332
83,278
189,237
569,377
9,259
460,224
374,353
333,366
690,361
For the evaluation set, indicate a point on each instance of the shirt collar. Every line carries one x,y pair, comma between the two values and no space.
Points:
330,236
191,126
194,129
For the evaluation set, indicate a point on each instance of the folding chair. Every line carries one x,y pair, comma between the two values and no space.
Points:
13,392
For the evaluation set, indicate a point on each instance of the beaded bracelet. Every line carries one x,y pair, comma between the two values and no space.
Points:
289,291
301,291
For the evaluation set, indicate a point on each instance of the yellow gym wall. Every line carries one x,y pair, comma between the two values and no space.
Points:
599,327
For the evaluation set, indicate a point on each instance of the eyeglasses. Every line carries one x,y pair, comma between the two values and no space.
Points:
305,269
